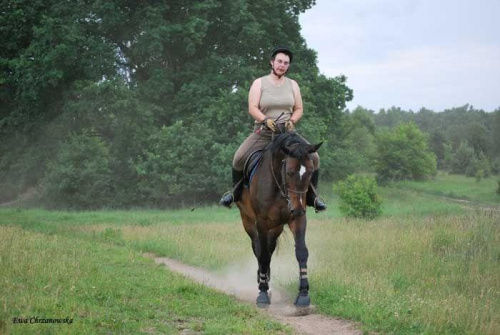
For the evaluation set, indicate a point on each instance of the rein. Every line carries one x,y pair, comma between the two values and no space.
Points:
283,189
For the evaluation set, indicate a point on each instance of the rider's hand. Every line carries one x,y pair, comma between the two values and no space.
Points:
270,124
289,125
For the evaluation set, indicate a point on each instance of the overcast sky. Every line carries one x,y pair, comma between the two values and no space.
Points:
436,54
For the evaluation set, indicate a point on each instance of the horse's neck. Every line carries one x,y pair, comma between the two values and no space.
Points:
273,165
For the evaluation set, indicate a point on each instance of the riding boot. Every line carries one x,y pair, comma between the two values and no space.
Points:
229,197
312,198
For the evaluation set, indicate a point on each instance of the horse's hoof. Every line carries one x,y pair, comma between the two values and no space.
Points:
263,300
302,300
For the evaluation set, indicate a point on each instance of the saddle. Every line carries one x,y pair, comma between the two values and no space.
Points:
251,165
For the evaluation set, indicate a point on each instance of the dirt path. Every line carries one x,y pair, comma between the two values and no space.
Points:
240,284
26,196
469,205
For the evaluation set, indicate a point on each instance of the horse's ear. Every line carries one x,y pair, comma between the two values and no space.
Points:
315,148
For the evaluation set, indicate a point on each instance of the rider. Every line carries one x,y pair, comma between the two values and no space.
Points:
275,102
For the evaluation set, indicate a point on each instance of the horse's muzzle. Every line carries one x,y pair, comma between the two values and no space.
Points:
298,212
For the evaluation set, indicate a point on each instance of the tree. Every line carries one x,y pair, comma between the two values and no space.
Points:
130,73
495,134
437,144
79,177
463,160
403,153
358,142
449,128
392,117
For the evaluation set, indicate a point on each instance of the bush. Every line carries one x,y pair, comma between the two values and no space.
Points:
358,197
479,175
403,153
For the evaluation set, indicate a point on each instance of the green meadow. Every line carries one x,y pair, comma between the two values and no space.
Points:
428,265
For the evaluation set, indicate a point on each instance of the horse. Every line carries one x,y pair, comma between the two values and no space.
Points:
276,196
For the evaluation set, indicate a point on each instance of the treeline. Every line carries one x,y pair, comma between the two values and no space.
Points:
463,140
130,103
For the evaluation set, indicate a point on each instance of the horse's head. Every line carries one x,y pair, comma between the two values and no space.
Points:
297,169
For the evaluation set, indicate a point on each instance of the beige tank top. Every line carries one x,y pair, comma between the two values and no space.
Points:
275,99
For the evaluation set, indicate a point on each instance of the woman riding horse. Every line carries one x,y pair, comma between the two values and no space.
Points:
275,102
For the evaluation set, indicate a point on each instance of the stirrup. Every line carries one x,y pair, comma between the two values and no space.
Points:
316,200
227,202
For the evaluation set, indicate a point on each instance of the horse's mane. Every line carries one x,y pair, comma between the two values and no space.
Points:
286,140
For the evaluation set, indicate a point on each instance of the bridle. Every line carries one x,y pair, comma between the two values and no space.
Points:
284,191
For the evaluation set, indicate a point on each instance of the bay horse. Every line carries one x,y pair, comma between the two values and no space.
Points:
276,196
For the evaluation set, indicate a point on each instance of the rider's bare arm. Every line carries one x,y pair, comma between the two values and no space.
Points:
253,101
298,108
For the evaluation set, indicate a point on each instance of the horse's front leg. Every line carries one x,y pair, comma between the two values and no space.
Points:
298,228
267,242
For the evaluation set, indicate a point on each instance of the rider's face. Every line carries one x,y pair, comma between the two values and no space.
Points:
280,63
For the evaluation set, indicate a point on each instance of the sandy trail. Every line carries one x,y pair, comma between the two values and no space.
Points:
241,282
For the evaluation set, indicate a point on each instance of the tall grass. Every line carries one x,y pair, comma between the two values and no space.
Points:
106,289
438,274
426,266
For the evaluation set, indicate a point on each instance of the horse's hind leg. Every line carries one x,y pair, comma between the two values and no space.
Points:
298,228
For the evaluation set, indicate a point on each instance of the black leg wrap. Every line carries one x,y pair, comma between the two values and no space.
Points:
303,281
303,299
263,276
263,299
263,280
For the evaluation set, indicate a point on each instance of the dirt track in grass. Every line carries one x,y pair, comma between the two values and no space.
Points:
242,284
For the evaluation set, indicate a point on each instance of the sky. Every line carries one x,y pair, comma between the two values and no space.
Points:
412,54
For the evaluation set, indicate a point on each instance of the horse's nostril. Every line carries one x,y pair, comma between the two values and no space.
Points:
298,212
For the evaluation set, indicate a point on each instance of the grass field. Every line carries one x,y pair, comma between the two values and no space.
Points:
428,265
457,187
98,287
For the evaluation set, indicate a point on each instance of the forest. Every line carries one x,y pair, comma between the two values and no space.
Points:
125,104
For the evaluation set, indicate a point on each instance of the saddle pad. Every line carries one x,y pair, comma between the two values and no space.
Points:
251,165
